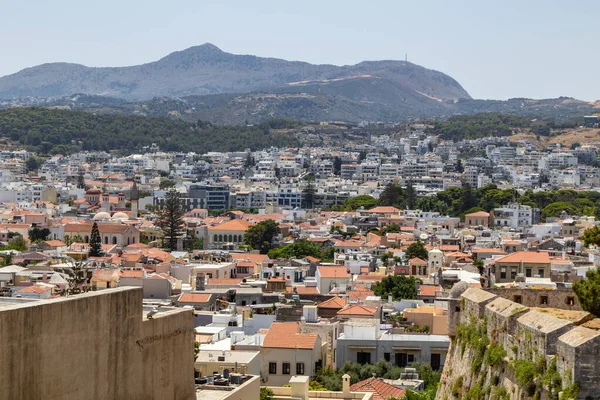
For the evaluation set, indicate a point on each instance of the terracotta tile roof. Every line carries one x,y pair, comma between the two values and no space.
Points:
478,214
384,210
528,257
34,289
370,278
489,251
379,388
312,259
55,243
417,261
195,298
253,257
233,225
428,290
356,309
286,335
302,289
132,273
332,272
334,302
224,281
359,295
103,228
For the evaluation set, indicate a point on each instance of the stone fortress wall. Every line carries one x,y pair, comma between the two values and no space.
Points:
542,324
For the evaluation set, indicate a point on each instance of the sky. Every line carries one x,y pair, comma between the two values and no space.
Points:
494,49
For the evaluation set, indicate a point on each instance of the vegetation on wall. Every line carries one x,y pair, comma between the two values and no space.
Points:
588,292
536,376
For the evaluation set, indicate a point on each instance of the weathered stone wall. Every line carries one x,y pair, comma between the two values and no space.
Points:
95,346
565,299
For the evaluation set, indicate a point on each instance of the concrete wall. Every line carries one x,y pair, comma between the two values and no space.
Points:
95,346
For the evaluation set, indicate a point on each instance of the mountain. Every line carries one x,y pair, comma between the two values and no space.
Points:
205,70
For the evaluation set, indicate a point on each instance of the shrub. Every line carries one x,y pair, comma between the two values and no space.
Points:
495,355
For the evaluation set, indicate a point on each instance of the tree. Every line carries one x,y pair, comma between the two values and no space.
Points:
38,234
80,180
7,258
411,196
399,286
95,242
467,199
261,235
299,249
385,257
391,195
588,292
166,184
170,219
308,194
418,250
591,236
77,278
459,167
32,164
337,165
391,228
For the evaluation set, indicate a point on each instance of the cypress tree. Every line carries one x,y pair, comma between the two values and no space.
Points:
170,219
95,242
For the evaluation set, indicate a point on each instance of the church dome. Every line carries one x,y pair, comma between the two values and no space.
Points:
120,215
101,215
93,191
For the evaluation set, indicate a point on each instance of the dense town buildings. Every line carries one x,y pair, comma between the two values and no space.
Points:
268,319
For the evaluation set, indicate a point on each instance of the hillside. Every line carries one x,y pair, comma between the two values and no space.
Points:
206,69
60,131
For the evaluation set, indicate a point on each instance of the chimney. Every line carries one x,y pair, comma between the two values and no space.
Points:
346,385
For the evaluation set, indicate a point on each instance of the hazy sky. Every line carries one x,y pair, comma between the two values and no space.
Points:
498,49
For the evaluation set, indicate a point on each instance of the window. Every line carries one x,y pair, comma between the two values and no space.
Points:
114,240
513,273
570,301
273,368
543,299
517,299
299,368
386,356
285,367
215,238
528,272
436,361
502,273
363,357
105,239
401,359
410,358
541,272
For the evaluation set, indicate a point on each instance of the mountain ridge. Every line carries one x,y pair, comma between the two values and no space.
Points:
206,69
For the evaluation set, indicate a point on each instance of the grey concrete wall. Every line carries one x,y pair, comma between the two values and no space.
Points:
95,346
